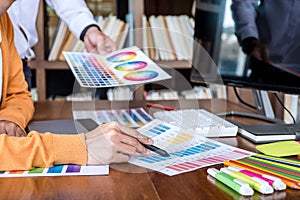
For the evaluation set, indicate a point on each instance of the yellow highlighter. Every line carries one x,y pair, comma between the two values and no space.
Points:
254,182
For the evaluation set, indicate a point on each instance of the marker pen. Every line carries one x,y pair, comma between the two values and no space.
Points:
275,182
256,183
237,185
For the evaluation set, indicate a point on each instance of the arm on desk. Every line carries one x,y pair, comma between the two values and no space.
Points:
108,143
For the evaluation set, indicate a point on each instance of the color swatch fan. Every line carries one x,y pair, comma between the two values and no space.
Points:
127,66
133,117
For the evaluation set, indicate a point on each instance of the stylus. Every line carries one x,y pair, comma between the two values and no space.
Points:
156,150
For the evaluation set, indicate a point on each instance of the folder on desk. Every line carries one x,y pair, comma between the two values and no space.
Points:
64,126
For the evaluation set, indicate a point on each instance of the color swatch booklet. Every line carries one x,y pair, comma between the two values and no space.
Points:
127,66
133,117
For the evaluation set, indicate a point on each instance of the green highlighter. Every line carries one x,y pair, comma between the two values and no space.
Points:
256,183
237,185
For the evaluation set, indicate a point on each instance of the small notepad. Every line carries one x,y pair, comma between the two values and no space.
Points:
280,149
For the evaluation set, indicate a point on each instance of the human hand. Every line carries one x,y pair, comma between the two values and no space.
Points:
96,41
11,129
114,143
257,50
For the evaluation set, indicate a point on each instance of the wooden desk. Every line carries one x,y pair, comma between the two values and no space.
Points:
120,184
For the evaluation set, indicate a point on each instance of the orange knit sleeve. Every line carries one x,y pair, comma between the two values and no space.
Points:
41,150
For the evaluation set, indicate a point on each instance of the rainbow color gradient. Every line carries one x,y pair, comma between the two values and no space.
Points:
131,66
122,57
140,75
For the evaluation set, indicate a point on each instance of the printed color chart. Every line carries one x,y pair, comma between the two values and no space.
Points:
127,66
188,151
59,170
134,117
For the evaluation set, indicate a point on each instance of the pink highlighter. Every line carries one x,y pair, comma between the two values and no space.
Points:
275,182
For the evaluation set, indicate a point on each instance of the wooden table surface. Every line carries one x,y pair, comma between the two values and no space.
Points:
126,181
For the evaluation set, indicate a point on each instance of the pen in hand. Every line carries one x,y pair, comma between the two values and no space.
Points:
156,150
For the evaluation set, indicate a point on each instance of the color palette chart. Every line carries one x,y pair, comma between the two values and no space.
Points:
133,117
127,66
188,151
59,170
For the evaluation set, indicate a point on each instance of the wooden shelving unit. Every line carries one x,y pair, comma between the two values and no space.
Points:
41,64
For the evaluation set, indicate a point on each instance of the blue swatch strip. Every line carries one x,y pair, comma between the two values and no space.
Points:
207,146
55,169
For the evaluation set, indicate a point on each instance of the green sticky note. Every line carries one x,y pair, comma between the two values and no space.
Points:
280,149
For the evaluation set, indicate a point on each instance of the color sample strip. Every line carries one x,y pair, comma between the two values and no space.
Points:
102,117
143,114
73,168
36,171
182,153
16,172
135,118
180,138
122,118
157,130
55,169
59,170
203,162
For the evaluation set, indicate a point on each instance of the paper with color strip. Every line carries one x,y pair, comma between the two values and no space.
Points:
59,170
189,151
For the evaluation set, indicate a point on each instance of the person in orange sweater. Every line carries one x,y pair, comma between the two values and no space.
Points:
108,143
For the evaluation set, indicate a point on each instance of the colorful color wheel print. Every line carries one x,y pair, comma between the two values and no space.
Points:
131,66
122,57
140,75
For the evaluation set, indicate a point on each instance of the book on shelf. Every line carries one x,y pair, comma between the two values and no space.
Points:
172,36
153,54
67,45
58,40
64,40
145,36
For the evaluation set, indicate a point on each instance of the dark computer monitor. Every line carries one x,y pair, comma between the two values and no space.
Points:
258,75
216,37
210,66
